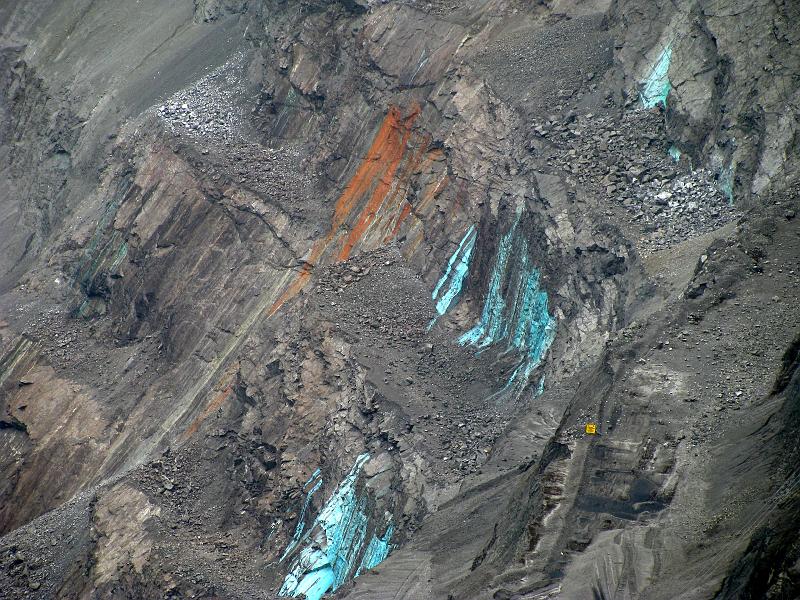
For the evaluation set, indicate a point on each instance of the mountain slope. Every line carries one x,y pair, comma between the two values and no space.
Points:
319,297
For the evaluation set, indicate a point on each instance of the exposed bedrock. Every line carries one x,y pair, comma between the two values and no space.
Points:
307,298
732,98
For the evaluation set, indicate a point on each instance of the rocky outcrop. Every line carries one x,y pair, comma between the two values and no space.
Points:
307,298
730,102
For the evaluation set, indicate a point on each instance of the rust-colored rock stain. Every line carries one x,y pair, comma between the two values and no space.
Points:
293,288
377,172
226,383
375,184
373,181
400,218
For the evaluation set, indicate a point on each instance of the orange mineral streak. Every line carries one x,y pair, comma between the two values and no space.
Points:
415,232
400,218
441,186
216,402
377,172
373,180
292,290
398,214
435,190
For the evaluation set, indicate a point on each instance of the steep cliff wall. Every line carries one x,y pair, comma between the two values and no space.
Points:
318,297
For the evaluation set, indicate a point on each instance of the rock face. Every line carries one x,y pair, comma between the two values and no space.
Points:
319,298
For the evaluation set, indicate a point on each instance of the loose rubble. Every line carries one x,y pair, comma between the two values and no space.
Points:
628,163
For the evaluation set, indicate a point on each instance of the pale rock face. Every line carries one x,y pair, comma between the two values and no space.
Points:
121,518
319,297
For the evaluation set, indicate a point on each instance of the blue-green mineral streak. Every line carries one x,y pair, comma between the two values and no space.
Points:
726,183
515,310
315,479
492,326
449,286
335,546
377,550
656,87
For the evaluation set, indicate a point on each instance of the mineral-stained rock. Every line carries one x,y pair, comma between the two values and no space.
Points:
446,299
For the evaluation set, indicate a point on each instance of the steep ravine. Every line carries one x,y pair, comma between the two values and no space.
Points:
319,297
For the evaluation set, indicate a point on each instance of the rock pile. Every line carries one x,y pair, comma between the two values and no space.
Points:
378,296
670,212
207,109
631,163
383,308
